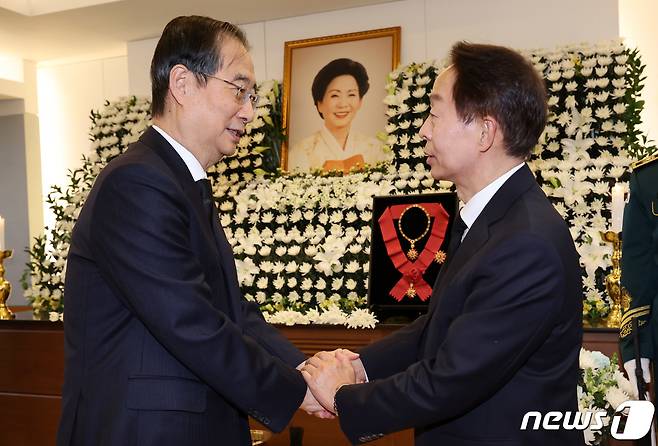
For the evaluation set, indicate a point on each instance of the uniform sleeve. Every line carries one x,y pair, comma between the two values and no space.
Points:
140,239
639,268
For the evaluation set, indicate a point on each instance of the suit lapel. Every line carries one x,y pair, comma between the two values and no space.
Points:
478,233
155,141
225,250
221,248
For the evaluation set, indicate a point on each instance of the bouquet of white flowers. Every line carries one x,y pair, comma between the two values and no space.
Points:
602,387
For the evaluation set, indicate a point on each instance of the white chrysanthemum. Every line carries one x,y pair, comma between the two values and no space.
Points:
553,76
593,359
616,396
332,316
287,317
420,108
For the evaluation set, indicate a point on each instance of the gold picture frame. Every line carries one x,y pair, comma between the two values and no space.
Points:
304,58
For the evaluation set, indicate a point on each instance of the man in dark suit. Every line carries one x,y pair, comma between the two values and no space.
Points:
503,331
161,348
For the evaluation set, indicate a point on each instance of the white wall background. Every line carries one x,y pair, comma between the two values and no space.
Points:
68,92
429,28
637,24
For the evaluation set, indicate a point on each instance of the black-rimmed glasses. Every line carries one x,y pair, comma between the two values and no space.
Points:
241,93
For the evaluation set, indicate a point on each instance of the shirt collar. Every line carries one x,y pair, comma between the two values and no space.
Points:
193,164
472,210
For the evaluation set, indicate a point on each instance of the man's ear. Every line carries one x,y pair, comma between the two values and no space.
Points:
488,133
180,79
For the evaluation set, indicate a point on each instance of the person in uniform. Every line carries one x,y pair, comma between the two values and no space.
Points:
639,266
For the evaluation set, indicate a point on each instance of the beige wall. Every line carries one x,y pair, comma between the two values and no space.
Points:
67,92
21,202
429,27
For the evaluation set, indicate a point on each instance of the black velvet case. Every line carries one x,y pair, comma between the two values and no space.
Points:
383,274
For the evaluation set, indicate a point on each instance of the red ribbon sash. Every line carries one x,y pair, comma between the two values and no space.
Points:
412,272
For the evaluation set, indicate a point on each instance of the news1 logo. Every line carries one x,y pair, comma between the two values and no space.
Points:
638,415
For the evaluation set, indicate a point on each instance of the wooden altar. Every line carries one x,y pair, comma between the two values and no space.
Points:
32,371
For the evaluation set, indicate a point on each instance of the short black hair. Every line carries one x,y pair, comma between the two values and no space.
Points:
193,41
497,81
332,70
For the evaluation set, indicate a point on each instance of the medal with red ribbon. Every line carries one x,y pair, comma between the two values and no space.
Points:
411,264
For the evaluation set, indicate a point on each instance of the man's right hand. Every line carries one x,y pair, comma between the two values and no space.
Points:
325,373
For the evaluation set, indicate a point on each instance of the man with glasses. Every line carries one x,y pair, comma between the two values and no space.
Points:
161,348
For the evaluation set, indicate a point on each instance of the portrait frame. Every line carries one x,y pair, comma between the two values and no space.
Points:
303,59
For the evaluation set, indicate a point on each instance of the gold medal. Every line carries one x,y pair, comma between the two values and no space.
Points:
411,292
440,257
412,254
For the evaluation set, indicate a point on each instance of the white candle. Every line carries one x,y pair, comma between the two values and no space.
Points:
617,207
2,234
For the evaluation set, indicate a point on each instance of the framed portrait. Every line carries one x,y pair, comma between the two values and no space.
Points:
333,91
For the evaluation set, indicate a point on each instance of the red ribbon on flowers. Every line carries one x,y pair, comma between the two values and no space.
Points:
412,281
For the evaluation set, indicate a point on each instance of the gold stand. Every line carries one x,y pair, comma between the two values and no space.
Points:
619,296
5,288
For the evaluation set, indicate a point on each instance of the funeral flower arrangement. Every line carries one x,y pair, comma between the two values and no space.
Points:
321,232
601,387
591,138
588,144
302,241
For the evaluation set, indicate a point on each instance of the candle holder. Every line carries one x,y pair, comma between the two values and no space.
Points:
5,288
619,296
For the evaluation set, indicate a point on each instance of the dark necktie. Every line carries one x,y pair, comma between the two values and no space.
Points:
227,263
213,218
206,196
456,234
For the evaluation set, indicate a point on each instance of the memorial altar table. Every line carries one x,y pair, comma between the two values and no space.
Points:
32,372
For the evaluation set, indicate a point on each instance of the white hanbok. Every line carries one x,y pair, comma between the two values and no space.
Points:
312,152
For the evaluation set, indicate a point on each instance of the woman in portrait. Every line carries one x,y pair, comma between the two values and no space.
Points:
337,91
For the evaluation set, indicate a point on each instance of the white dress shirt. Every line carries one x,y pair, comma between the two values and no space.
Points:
476,204
193,164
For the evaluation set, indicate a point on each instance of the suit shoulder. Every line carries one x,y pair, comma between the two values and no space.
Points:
136,156
536,214
645,162
134,167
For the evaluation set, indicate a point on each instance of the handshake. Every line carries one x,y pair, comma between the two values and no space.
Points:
325,373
